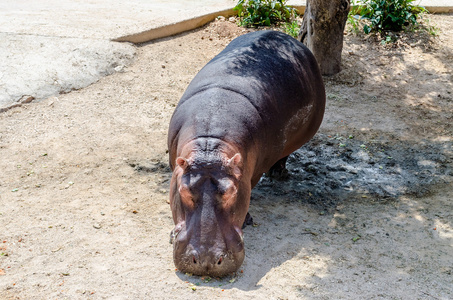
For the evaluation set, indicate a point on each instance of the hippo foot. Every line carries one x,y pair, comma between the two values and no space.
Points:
248,220
278,171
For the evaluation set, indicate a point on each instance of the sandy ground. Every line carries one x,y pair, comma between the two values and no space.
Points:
365,214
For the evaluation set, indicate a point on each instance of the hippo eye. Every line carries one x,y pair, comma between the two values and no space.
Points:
226,187
229,196
186,196
230,192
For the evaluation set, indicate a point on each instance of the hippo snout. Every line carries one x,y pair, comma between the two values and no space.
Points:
219,258
209,263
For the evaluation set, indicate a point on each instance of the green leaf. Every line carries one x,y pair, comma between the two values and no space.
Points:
386,14
366,29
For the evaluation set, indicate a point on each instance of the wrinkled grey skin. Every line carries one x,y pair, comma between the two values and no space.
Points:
251,106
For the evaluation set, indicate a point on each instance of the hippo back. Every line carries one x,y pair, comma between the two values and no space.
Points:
264,90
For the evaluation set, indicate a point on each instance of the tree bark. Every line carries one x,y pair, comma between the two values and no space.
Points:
322,32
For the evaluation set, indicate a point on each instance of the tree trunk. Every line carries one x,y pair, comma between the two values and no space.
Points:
322,32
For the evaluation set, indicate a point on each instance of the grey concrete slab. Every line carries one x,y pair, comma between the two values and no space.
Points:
103,19
437,6
43,66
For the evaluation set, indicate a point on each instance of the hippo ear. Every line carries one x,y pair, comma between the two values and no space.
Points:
235,163
182,163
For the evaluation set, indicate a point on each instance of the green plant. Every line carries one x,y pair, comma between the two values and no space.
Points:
386,15
387,40
292,28
431,29
253,13
354,20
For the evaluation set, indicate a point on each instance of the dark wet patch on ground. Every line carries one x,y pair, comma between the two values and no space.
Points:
331,169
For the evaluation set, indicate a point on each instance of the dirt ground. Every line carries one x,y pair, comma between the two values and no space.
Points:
366,213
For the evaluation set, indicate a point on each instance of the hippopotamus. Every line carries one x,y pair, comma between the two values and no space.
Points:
252,105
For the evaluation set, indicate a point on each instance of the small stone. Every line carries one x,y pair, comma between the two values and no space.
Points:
119,69
97,226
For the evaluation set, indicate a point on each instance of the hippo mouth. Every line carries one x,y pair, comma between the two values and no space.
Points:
215,259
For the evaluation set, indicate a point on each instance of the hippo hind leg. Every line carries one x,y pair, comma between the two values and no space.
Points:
278,170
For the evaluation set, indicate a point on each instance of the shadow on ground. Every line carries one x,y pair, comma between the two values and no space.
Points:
341,196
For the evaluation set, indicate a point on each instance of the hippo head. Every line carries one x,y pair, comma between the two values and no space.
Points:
209,203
